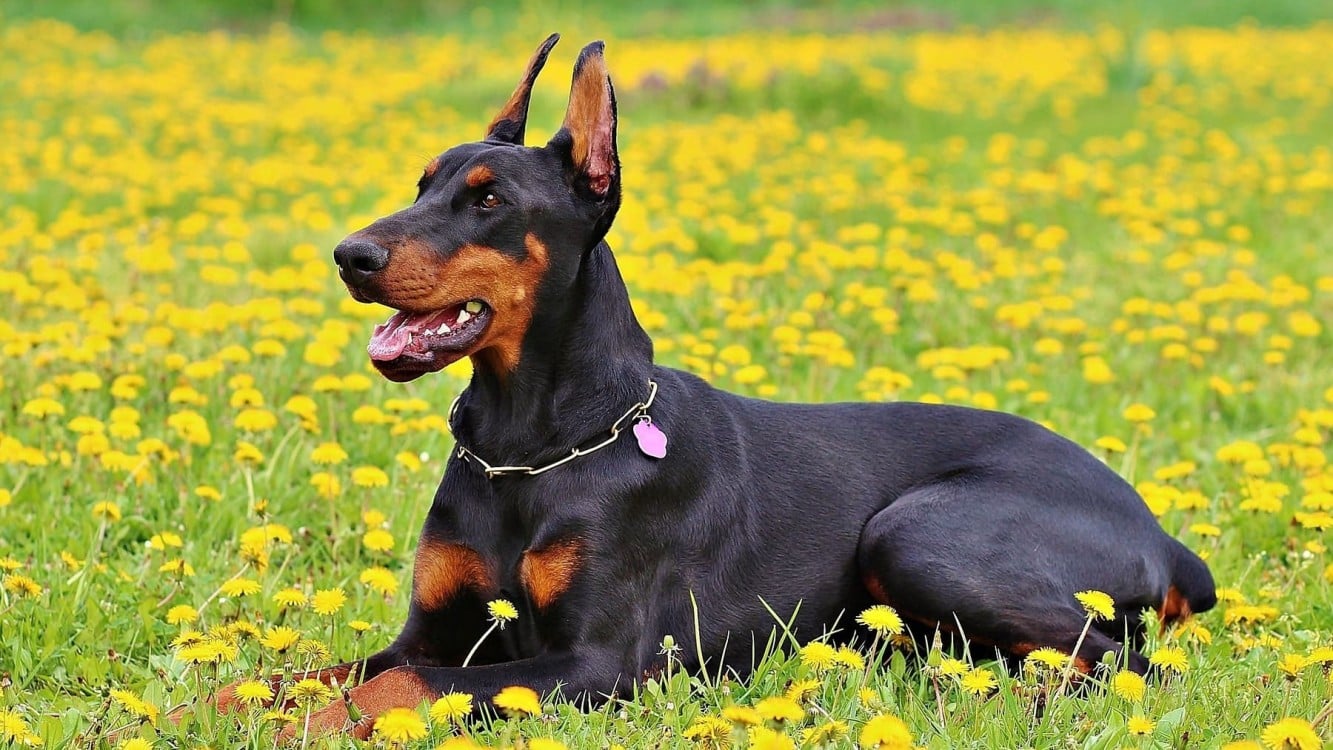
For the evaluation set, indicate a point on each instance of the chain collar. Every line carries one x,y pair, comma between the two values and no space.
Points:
636,413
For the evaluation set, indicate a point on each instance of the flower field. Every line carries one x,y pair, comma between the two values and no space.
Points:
1123,235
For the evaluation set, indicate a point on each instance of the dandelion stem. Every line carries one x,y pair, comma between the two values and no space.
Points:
1073,656
477,645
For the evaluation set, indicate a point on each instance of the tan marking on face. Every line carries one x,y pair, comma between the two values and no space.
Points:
432,168
547,573
479,175
417,279
442,570
589,101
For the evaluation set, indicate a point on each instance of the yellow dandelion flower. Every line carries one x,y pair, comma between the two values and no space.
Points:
451,707
545,743
240,587
1140,726
1171,658
1139,413
1129,685
247,454
850,658
951,667
978,681
1111,444
1291,665
711,731
1047,658
1291,733
253,692
825,734
1098,605
763,738
369,476
106,510
886,732
881,619
518,701
360,626
501,610
328,454
182,613
280,638
780,709
378,540
135,743
310,692
291,598
818,656
20,585
327,602
742,715
803,690
379,579
399,726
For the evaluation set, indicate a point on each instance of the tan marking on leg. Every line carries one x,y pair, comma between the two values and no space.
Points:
400,687
547,573
442,570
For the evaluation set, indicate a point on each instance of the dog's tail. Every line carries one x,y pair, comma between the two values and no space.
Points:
1192,589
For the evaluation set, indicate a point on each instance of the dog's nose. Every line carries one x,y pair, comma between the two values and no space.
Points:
360,258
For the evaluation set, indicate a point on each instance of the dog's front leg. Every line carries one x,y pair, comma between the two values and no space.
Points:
587,675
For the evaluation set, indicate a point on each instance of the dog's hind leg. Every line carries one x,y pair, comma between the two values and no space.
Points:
974,562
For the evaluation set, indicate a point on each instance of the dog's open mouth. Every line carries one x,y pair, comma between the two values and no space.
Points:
408,345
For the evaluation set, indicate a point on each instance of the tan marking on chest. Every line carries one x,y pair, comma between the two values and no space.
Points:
442,570
547,573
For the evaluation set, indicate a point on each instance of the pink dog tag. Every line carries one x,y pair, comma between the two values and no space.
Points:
652,441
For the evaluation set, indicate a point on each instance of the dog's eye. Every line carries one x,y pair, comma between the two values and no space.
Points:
490,200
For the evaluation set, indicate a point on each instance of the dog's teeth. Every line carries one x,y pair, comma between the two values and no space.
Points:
444,328
473,307
463,317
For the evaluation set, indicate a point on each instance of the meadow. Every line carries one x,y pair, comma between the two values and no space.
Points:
1119,231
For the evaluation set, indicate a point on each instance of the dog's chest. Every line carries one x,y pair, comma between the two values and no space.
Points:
536,574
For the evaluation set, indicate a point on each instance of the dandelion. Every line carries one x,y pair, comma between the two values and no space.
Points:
881,619
886,732
742,716
710,731
380,580
182,613
400,726
825,734
291,598
135,743
105,510
1047,658
978,682
1098,605
451,707
1171,659
378,540
780,709
310,692
1129,685
1291,665
328,602
280,638
20,585
1291,734
240,587
1140,726
545,743
369,476
518,701
1139,413
501,612
328,454
803,691
818,656
253,692
763,738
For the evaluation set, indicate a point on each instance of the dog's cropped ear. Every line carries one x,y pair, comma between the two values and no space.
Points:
508,126
588,136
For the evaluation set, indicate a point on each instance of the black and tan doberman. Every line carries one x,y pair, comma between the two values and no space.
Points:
607,497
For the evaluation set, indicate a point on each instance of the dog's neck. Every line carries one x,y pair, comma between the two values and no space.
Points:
585,361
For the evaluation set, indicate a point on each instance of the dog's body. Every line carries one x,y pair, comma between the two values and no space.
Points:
978,523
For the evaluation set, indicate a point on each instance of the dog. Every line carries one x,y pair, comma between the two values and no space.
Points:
615,502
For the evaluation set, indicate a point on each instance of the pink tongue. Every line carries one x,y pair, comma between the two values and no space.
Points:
391,338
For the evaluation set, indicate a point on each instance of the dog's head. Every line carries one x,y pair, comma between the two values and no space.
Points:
494,222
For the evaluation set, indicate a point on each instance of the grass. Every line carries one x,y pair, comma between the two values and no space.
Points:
1061,220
